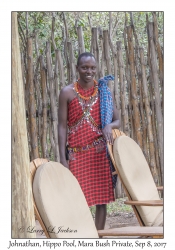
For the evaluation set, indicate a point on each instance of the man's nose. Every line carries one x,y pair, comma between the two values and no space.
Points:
89,70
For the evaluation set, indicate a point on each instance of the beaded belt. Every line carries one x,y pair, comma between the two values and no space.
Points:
84,148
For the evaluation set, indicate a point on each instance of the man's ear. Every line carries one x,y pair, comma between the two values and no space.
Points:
77,67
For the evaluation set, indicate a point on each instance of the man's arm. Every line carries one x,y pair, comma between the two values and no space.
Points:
62,126
107,131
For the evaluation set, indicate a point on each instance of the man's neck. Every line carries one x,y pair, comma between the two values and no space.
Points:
86,85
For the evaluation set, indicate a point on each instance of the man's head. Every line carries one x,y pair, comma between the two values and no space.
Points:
85,54
86,66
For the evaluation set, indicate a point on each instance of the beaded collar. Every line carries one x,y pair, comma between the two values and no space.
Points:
86,101
86,97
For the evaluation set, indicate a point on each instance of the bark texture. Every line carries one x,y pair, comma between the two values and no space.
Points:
22,206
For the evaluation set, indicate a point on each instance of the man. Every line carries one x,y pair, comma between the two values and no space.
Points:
80,126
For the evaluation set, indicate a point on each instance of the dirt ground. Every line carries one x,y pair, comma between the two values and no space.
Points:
121,219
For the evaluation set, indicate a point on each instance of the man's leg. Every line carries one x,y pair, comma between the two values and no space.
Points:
100,216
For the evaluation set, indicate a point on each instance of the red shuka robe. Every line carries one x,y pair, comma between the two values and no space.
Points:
90,167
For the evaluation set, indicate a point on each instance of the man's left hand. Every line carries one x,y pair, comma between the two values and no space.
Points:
107,134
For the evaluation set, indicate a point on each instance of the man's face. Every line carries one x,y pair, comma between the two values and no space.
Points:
87,68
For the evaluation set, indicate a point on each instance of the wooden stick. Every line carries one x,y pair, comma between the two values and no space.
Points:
157,94
54,113
124,111
134,88
80,39
145,203
32,107
44,107
148,117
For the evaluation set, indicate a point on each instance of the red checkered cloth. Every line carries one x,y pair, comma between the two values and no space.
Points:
90,167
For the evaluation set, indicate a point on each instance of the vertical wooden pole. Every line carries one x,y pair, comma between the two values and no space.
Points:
152,106
56,82
116,85
38,105
159,117
137,124
107,56
148,118
141,108
54,113
72,62
101,65
61,69
160,57
158,48
128,80
95,48
124,111
32,104
44,107
22,205
80,40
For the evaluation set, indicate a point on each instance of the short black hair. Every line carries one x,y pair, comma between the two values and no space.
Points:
86,54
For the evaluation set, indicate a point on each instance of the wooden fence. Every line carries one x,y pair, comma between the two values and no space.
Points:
138,89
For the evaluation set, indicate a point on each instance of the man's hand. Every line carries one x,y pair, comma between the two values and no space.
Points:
107,134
